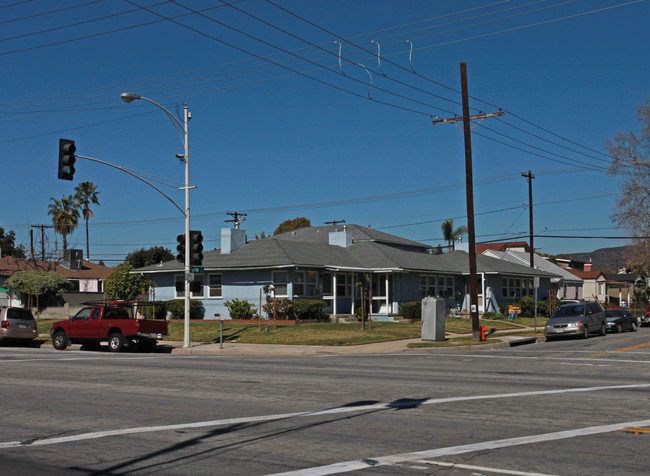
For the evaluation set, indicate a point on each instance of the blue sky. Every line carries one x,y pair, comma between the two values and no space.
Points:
280,130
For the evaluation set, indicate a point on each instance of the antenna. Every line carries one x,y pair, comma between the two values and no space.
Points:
237,220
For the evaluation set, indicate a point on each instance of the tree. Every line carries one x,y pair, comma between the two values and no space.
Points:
37,283
122,284
85,194
65,216
8,245
630,155
292,224
450,235
145,257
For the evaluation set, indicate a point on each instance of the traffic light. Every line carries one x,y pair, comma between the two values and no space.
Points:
180,248
66,159
196,248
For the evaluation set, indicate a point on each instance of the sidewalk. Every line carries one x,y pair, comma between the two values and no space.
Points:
390,347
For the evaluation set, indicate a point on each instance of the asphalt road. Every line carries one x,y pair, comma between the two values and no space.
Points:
576,407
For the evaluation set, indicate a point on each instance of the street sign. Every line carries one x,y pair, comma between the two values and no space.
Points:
196,269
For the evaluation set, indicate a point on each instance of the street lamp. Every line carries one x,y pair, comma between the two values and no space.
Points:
183,132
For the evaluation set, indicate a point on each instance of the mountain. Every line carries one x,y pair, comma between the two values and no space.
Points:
605,259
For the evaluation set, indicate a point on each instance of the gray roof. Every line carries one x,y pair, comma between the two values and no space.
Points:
540,263
320,234
370,251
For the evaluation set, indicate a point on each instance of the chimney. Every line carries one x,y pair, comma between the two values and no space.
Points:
341,238
587,266
232,239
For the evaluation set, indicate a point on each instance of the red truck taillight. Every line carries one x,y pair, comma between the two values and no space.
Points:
5,325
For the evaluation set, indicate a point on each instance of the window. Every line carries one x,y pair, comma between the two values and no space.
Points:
517,287
280,280
305,283
214,285
436,286
327,284
196,286
312,283
298,283
343,285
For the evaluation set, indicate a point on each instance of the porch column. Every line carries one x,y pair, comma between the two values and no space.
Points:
334,293
388,308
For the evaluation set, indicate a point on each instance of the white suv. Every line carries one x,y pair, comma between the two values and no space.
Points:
17,323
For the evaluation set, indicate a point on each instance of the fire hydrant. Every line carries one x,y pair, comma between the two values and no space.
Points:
483,331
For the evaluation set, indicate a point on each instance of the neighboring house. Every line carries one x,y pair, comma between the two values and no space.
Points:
520,246
86,278
566,285
326,262
593,283
620,287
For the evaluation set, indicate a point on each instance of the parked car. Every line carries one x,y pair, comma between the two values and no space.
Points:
581,319
17,323
619,320
645,319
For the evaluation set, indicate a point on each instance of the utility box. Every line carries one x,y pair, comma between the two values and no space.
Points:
433,319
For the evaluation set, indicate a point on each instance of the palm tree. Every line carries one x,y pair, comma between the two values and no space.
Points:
65,216
86,193
450,235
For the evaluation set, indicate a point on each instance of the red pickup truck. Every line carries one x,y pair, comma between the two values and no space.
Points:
109,323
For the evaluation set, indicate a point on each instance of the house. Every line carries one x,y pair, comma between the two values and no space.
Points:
327,262
520,246
566,285
87,279
620,287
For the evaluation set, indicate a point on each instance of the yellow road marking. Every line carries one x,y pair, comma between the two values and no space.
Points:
637,430
618,350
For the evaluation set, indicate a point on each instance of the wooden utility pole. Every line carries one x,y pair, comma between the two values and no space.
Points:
467,128
42,227
529,178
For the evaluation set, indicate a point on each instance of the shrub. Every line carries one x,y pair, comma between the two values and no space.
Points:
493,315
176,307
411,310
283,309
240,309
310,309
147,309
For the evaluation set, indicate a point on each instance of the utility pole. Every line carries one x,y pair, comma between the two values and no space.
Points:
529,178
333,222
467,128
236,218
42,227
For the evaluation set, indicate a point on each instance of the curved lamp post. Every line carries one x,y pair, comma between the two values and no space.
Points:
183,132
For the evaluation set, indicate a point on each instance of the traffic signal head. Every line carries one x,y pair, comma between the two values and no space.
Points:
180,248
196,248
66,159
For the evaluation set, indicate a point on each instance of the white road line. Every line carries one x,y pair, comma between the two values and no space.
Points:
355,465
482,468
282,416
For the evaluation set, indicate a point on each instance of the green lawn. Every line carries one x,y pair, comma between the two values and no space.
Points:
327,333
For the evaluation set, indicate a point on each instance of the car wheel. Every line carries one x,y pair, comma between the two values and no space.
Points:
634,326
59,340
115,342
585,332
619,328
603,329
